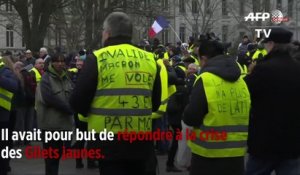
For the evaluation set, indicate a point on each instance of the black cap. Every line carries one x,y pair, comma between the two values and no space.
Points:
279,35
251,46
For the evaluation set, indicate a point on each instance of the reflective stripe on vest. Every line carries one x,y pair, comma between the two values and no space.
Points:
220,145
122,101
37,74
5,99
228,112
164,90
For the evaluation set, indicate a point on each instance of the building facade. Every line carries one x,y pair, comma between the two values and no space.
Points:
187,18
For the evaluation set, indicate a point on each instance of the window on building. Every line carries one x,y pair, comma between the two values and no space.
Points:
290,8
182,6
224,8
182,33
224,33
194,6
165,4
165,36
207,6
242,8
279,4
9,36
8,6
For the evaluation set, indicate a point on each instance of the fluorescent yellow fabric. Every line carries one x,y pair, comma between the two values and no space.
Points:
228,111
5,99
126,76
37,74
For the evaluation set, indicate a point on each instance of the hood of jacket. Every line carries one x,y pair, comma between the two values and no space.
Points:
117,40
53,72
223,66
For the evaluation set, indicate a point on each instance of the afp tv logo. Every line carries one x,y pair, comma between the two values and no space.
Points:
276,17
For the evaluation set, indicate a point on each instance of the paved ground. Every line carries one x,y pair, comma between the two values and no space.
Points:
67,167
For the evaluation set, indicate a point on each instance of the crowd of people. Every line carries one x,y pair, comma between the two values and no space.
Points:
252,97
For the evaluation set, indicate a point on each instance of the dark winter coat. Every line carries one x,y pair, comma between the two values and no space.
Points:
177,101
223,66
52,101
275,116
9,82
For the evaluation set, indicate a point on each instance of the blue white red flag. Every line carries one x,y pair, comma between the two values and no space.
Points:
159,24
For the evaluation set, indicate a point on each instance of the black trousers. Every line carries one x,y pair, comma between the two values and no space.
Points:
4,163
126,167
52,165
217,166
174,146
82,126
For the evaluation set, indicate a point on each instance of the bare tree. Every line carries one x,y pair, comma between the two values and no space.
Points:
70,21
96,12
201,15
145,12
35,16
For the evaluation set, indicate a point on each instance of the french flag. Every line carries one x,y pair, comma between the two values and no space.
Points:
159,24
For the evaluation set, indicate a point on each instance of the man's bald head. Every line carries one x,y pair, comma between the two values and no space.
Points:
39,64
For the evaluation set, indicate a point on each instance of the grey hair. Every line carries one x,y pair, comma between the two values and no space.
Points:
44,49
118,24
194,66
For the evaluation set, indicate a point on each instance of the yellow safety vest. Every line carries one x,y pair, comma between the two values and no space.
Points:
37,74
228,111
73,70
5,99
244,69
166,55
122,101
82,118
248,53
182,68
5,95
191,48
166,91
255,56
196,60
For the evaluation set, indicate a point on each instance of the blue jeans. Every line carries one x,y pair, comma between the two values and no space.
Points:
257,166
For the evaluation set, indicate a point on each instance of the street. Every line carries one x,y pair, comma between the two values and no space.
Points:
67,167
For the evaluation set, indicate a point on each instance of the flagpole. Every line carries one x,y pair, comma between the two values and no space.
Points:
175,32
